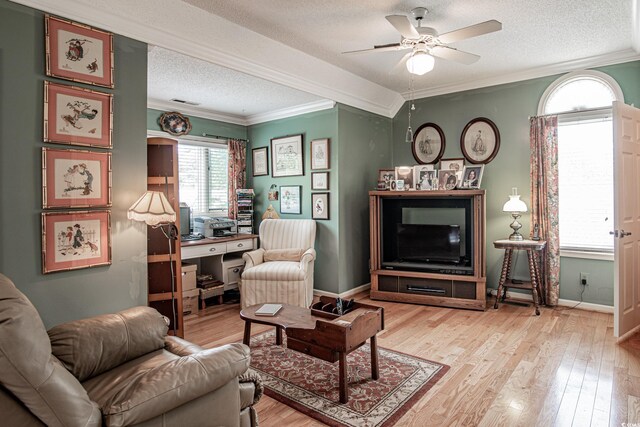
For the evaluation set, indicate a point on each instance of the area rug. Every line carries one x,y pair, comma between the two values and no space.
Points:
310,385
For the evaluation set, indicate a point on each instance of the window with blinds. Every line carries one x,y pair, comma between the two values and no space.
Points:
203,177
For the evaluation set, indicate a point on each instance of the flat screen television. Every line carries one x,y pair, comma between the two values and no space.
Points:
432,234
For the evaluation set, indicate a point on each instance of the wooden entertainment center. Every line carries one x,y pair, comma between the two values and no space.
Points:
442,287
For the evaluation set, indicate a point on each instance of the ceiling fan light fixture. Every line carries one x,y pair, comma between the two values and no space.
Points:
420,62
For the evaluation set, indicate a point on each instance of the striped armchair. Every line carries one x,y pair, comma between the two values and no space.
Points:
281,271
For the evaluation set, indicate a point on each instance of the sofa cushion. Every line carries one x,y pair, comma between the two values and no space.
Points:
283,255
89,347
280,270
31,373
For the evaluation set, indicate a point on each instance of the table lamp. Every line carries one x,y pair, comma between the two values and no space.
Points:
154,209
516,207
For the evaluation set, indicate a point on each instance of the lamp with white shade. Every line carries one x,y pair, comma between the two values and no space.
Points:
516,207
154,209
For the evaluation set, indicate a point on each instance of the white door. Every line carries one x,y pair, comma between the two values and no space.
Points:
626,169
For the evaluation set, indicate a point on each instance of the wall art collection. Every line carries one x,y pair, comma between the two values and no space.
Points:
77,116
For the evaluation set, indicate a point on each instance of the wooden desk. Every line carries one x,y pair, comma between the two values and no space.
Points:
533,248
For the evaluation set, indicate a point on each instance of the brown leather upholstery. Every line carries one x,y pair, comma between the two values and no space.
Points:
150,379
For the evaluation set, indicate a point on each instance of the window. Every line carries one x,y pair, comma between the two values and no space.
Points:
203,177
582,101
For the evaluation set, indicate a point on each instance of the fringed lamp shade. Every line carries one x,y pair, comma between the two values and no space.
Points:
152,208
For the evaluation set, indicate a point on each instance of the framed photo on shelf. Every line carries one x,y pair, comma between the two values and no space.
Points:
290,199
260,161
75,178
320,206
472,176
425,177
320,180
405,173
320,154
447,179
428,144
480,141
78,52
452,164
174,123
286,156
386,176
76,239
77,116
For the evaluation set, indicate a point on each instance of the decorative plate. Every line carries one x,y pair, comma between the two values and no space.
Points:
174,123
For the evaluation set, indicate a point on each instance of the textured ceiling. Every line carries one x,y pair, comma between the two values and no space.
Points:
535,33
216,89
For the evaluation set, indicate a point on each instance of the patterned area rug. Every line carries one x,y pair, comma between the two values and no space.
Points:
310,385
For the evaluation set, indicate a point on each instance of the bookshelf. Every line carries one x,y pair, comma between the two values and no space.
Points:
244,210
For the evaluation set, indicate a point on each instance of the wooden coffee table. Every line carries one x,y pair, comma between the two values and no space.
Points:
324,335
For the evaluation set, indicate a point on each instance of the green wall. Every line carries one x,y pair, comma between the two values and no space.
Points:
76,294
321,124
509,107
200,126
365,147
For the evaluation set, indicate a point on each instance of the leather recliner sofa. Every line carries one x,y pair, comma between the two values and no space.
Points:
116,370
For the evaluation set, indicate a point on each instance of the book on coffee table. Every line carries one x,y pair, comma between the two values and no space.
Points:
268,309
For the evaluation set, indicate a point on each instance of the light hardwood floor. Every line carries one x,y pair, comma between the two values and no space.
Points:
508,366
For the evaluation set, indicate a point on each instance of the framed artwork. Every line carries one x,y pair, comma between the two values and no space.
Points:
77,116
286,156
273,192
320,153
447,179
75,179
386,176
452,164
78,52
174,123
397,185
480,141
320,206
405,173
472,176
260,161
320,180
73,240
290,199
425,177
428,144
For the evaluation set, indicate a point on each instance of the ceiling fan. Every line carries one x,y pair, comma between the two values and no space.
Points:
425,42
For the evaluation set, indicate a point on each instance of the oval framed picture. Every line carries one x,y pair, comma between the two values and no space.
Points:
428,144
174,123
480,140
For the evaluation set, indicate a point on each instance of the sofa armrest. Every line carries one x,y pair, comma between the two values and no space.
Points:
167,386
308,256
251,388
253,258
180,347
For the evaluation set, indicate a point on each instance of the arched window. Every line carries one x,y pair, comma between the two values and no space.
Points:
582,101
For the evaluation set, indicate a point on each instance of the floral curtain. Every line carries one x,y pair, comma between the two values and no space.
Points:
237,171
543,137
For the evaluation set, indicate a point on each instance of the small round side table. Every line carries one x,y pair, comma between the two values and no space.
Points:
534,249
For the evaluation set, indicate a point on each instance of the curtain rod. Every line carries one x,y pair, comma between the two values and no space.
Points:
586,110
223,137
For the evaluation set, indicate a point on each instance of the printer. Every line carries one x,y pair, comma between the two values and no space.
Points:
210,226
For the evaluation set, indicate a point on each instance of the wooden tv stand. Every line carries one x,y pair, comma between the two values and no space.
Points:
431,288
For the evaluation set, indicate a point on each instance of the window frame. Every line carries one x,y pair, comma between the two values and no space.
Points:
577,115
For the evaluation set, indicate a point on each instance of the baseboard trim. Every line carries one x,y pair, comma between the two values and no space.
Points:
346,294
561,302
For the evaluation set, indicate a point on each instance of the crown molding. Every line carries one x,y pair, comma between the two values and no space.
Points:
534,73
190,110
217,42
297,110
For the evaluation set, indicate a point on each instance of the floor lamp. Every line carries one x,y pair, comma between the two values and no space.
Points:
154,209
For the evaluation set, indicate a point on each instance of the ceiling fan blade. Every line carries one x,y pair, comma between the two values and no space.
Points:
446,52
378,48
403,25
471,31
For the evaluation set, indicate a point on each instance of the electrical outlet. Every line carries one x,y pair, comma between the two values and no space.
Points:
584,279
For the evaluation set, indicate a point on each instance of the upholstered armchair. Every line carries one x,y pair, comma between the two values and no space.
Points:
116,370
281,271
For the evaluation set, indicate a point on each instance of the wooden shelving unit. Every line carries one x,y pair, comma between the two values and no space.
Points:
450,290
162,175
